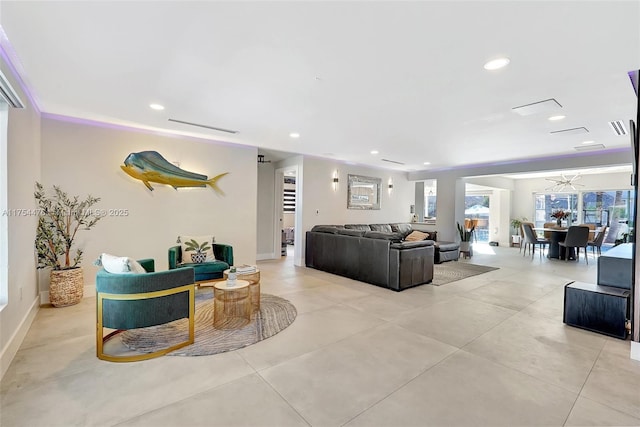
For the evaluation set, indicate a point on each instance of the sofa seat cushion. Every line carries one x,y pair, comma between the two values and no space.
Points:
408,245
447,246
207,270
394,237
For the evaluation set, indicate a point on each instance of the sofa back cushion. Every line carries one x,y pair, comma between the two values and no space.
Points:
325,229
402,228
393,237
385,228
364,227
348,232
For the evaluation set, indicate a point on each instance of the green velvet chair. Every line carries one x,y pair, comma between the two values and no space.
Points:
206,271
130,301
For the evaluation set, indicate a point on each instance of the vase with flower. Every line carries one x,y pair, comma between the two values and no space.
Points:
559,215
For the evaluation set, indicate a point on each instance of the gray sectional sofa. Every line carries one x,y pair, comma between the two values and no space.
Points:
372,253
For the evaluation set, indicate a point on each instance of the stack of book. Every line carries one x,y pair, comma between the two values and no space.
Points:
245,269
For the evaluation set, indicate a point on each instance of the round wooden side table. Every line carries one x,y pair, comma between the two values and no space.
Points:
231,305
254,285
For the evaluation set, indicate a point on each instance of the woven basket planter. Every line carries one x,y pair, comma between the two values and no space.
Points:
66,287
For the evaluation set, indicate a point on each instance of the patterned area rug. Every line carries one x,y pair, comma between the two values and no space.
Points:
275,315
452,271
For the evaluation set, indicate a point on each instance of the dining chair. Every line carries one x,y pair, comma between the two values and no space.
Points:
547,234
532,239
523,238
577,237
597,241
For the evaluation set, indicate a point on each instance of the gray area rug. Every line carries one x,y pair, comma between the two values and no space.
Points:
453,271
275,315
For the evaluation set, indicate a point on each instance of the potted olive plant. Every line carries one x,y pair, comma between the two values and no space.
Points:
515,224
61,217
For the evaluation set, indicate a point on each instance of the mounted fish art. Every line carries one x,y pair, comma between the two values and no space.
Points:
150,166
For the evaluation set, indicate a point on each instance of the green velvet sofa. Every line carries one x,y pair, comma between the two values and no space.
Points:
205,271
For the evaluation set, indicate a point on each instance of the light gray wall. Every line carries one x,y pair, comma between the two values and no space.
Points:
85,159
266,209
23,170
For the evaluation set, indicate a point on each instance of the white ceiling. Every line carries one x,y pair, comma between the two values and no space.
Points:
403,78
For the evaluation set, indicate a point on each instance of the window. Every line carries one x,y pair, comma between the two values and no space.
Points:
614,209
476,209
549,202
430,199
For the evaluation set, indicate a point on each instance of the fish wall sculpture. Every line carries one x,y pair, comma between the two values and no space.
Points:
150,166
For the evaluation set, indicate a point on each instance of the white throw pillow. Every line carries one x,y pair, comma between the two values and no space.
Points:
119,265
199,241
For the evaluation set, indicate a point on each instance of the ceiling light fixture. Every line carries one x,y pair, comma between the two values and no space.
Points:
496,64
426,163
157,107
555,118
563,182
294,135
374,151
588,142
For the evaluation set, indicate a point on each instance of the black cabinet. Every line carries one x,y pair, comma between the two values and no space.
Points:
603,309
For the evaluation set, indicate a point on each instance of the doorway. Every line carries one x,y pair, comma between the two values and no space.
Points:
288,218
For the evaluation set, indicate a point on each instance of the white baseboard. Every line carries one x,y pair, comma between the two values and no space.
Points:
13,345
262,257
635,350
87,292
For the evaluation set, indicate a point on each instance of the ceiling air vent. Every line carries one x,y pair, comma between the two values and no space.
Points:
392,161
589,147
618,127
546,106
8,94
572,131
203,126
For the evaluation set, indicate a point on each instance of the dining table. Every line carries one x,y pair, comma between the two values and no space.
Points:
557,235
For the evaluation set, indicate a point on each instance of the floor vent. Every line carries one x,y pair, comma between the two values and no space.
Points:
618,127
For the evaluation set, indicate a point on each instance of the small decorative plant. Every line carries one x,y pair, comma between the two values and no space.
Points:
200,250
516,223
61,216
465,234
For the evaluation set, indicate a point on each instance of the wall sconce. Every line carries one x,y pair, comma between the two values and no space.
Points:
390,186
335,180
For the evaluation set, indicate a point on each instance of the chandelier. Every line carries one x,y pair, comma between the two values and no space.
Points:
563,182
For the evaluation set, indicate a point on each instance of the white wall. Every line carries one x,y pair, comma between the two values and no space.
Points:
23,160
85,159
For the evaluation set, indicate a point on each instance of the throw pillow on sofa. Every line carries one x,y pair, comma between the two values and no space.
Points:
119,265
201,247
416,236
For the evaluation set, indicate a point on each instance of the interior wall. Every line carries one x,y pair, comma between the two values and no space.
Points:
266,211
23,170
85,159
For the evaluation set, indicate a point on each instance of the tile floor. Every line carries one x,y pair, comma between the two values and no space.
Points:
485,351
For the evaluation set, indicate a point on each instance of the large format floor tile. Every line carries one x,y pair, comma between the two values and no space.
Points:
248,401
586,412
456,321
333,384
467,390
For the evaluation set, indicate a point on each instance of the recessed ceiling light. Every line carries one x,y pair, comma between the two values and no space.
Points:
294,135
374,151
496,64
554,118
426,163
156,107
588,142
